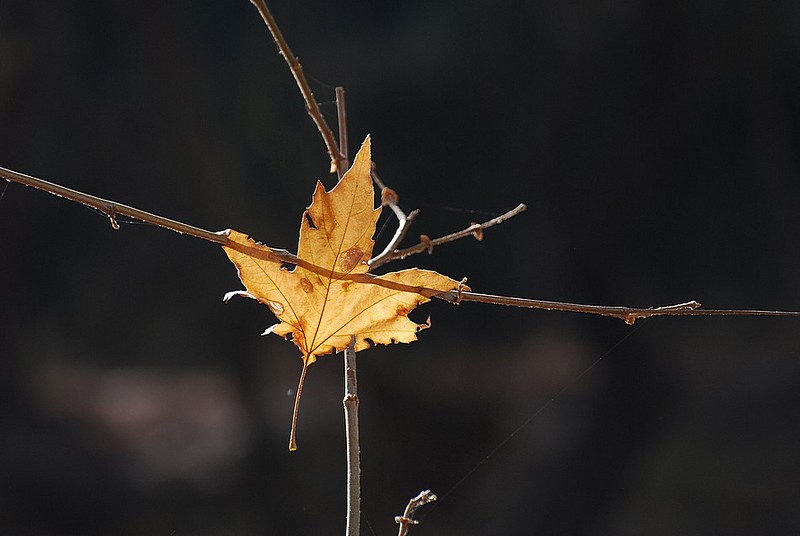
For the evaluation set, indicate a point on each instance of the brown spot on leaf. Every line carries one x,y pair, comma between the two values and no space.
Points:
402,310
351,258
346,285
306,285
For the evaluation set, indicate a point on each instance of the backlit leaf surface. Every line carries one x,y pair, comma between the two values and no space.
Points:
329,297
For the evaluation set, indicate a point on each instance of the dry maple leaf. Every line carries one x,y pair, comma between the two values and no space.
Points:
328,298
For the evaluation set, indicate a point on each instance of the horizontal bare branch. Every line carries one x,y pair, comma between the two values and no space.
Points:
627,314
112,209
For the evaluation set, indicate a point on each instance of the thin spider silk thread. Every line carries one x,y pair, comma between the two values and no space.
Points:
366,520
460,210
527,422
383,228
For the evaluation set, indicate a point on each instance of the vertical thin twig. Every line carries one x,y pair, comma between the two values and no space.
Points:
341,116
353,446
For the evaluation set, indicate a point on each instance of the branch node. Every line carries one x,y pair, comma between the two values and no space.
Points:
477,232
112,216
388,196
462,286
426,241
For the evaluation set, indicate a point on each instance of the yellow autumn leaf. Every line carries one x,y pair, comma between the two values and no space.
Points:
329,297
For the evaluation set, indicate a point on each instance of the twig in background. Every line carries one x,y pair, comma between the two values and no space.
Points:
312,107
406,520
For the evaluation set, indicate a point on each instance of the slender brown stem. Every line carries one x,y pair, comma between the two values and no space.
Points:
627,314
406,520
305,90
341,115
350,403
112,209
476,230
300,384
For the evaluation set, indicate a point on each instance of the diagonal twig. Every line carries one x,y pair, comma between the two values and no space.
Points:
404,221
627,314
112,209
476,230
337,162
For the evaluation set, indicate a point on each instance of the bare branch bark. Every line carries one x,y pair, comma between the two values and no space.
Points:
350,403
476,230
627,314
312,107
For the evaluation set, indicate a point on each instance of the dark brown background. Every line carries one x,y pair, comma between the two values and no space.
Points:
655,143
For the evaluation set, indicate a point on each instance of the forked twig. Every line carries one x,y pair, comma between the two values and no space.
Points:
476,230
406,520
312,107
339,158
404,221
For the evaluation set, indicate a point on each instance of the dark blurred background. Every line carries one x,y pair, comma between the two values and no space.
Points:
655,143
